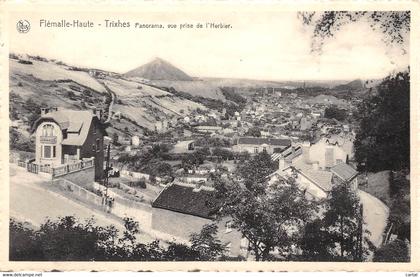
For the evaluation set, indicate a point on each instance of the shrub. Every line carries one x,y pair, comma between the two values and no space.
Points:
25,62
140,184
13,56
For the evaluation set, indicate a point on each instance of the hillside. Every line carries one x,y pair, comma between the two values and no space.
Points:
133,106
159,69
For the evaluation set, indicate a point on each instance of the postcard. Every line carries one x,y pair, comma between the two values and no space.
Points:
211,135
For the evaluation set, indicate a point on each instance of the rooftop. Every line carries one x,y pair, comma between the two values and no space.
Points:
268,141
187,200
344,171
76,123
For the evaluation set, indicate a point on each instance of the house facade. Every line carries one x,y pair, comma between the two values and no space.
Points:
254,145
68,136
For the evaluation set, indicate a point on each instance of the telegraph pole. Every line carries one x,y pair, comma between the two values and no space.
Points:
106,183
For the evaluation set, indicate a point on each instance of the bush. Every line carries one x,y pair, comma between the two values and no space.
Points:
396,251
13,56
139,184
25,62
335,112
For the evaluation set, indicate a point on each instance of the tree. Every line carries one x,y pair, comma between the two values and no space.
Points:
68,239
206,244
383,140
180,252
223,153
22,243
335,112
394,25
253,132
395,251
343,223
115,139
192,160
255,171
269,220
315,242
61,240
400,204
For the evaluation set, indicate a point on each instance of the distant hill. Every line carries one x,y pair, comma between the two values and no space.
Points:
353,85
159,69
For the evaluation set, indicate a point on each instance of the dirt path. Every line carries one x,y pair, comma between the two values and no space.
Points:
375,214
113,97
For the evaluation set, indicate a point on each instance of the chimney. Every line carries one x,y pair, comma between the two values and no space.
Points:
282,164
305,151
44,111
97,112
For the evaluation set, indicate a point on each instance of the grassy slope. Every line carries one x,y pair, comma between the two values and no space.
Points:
49,84
378,186
146,104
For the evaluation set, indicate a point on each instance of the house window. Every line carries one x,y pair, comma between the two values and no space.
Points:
94,147
48,130
53,152
228,227
264,149
47,151
228,249
255,149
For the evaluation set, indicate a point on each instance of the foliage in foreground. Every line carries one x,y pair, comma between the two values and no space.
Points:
396,251
67,239
383,141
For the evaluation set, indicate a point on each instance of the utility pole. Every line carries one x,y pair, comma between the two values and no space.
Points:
106,183
359,240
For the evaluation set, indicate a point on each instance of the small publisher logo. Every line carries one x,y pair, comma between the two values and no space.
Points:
23,26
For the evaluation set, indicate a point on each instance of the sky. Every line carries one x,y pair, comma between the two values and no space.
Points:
262,44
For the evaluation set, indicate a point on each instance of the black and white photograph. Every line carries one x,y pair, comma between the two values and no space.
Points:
243,134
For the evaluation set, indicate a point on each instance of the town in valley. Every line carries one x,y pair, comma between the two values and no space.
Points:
154,164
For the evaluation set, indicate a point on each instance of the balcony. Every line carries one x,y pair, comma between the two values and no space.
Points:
48,139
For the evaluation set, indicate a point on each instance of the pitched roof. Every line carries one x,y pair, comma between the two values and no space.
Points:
269,141
187,200
319,177
344,171
182,146
76,123
288,154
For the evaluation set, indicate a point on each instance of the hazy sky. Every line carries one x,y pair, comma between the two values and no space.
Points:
261,45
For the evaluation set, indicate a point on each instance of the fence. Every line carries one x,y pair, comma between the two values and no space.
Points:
137,175
59,170
112,203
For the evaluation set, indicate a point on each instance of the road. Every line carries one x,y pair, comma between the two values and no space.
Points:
375,214
30,202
